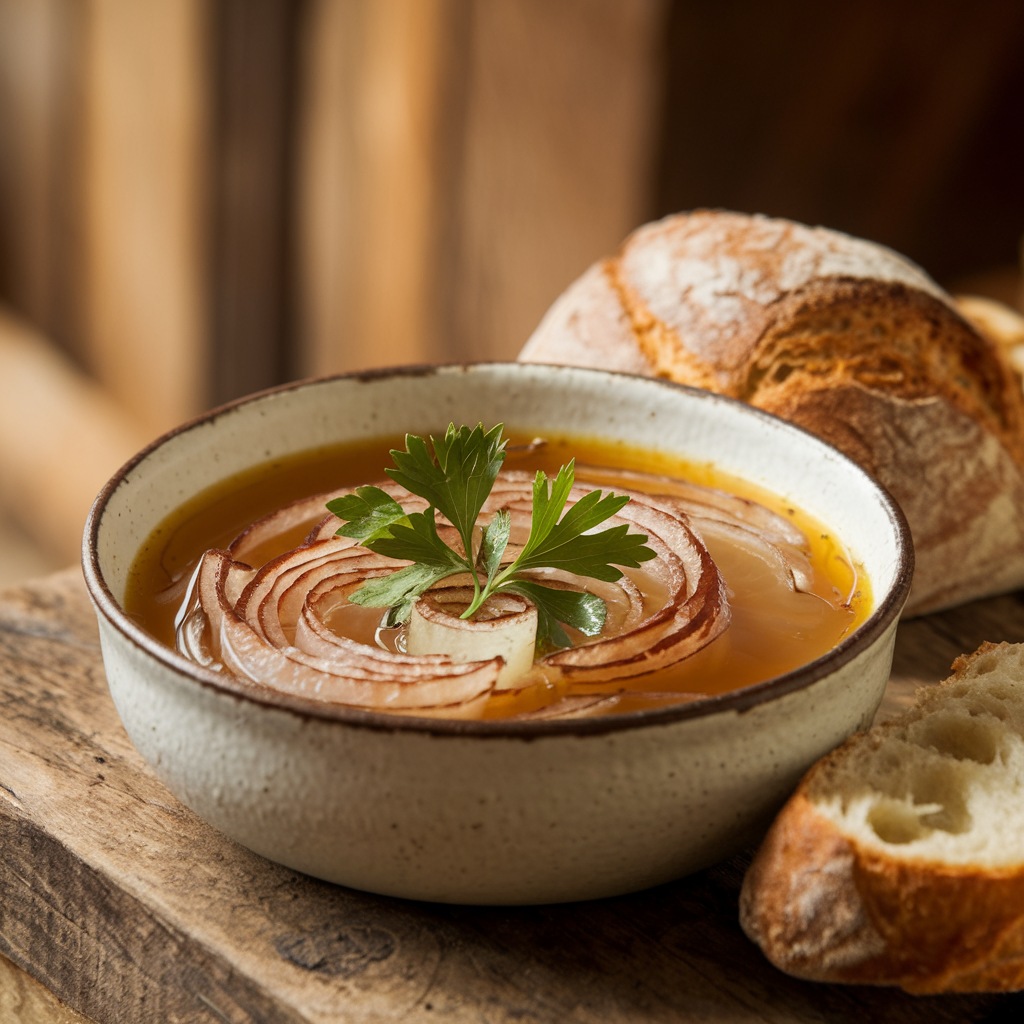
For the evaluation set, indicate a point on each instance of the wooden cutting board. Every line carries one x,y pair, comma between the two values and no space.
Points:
130,909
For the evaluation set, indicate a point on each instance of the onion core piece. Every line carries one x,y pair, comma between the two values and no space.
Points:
505,626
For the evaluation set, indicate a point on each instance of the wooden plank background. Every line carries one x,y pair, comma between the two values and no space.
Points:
461,163
250,163
373,75
144,260
199,198
896,122
559,114
206,197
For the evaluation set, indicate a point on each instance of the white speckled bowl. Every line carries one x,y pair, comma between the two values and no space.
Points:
491,812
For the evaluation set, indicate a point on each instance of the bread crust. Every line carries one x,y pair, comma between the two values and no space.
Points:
591,328
842,336
960,489
825,907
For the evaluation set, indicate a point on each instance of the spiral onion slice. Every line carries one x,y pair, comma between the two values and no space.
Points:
272,627
307,514
334,670
777,541
692,610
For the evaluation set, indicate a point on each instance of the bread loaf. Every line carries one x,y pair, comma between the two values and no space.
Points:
841,336
999,323
900,858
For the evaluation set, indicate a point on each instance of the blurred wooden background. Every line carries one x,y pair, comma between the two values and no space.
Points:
201,198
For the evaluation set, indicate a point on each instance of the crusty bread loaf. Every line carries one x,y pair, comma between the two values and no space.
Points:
900,858
845,338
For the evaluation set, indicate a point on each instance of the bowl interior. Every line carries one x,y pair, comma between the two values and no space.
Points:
643,412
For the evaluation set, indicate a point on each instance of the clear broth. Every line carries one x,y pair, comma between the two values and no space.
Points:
770,633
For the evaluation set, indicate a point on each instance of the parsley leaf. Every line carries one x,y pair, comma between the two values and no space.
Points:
398,590
583,611
566,543
370,512
418,542
456,480
458,483
495,541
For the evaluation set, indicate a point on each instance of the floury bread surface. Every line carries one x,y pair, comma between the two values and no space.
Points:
900,858
841,336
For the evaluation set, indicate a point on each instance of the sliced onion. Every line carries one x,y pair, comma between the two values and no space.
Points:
309,512
705,502
717,514
694,609
269,626
581,705
506,626
353,674
585,705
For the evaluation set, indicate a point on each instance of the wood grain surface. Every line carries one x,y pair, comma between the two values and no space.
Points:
23,1000
130,909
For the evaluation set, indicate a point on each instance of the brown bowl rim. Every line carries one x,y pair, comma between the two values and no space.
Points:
743,699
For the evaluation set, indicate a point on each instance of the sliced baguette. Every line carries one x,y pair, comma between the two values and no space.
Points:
900,858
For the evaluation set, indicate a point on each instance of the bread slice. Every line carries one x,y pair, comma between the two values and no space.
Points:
900,858
841,336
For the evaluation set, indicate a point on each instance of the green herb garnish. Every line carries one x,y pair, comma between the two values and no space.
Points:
456,480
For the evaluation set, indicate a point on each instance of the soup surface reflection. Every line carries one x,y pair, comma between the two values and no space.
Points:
774,628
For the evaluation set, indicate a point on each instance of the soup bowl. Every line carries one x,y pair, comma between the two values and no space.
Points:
498,812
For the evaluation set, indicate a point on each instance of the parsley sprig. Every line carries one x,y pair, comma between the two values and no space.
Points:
455,480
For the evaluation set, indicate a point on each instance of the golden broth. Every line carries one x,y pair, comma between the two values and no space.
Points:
772,631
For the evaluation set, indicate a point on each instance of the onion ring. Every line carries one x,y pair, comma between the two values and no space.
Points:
268,626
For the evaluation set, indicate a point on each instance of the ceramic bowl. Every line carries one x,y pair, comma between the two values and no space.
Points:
491,812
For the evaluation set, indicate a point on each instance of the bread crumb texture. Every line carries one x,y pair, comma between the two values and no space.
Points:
900,858
944,781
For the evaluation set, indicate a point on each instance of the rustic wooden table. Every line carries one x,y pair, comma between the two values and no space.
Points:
130,909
